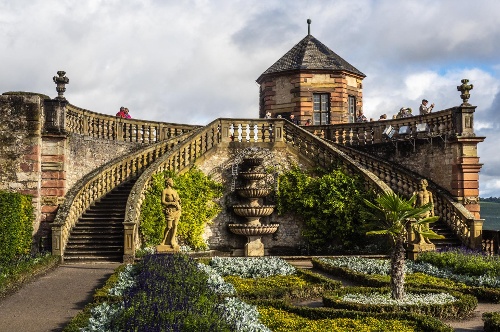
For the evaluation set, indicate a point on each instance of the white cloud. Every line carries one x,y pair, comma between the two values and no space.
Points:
195,60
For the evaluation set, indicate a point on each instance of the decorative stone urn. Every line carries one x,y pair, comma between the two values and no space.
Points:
253,210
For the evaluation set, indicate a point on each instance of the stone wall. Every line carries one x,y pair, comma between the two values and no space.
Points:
20,146
219,166
431,161
293,93
85,154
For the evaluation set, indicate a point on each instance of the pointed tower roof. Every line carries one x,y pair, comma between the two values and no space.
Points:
310,54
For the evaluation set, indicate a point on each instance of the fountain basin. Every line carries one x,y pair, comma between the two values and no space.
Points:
252,176
250,230
254,161
253,211
253,192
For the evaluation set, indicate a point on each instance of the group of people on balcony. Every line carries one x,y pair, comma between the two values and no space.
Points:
404,112
123,113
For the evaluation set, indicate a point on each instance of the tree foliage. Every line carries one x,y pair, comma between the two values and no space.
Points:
331,204
393,215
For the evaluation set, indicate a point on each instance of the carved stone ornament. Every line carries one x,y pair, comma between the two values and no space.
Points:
471,200
61,82
465,88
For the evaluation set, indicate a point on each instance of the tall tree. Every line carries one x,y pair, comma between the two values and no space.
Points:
393,215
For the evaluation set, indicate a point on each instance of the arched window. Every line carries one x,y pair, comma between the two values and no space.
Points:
321,108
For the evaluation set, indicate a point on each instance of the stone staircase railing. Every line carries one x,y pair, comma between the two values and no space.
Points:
405,183
88,123
325,155
99,182
232,131
437,124
182,156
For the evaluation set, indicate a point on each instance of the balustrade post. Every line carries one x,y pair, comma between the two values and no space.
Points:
128,242
57,245
476,232
278,131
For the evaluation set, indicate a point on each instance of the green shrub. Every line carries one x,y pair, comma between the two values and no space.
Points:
460,308
198,194
279,314
463,261
16,225
330,204
491,321
302,285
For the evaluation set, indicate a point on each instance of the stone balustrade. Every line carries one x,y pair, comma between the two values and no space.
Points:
177,159
405,183
98,183
181,153
437,124
251,130
88,123
203,140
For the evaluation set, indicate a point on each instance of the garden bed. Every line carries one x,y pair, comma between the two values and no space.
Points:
430,302
377,277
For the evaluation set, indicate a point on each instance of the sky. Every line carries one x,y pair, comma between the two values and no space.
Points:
192,61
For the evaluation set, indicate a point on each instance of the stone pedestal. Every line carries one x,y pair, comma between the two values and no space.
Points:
167,249
414,249
254,247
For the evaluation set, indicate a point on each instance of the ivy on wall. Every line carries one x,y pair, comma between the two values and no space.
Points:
16,225
330,203
198,194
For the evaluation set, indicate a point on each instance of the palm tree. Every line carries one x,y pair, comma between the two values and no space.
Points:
394,215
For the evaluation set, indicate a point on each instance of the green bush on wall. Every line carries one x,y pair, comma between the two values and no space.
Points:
331,204
197,192
16,225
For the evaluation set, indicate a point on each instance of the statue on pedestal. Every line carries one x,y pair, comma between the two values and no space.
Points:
424,197
171,203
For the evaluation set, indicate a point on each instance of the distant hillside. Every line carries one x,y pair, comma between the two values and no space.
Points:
490,199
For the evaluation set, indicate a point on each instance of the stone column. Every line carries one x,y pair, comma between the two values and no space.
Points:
128,242
465,163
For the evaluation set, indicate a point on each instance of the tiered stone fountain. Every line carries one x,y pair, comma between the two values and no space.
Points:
253,229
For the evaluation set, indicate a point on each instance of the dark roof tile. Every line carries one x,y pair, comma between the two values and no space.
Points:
311,54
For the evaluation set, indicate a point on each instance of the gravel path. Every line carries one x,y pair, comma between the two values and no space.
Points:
49,302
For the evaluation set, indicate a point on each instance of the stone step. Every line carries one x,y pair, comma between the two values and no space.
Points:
98,234
92,259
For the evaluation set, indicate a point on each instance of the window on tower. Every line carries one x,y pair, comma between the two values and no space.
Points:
321,108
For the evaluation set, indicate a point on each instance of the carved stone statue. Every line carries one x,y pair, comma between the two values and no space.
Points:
424,197
172,210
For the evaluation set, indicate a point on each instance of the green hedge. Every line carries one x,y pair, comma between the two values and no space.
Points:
491,321
415,280
461,308
16,225
301,285
421,322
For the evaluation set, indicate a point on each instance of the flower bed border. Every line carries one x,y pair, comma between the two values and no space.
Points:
424,323
461,308
491,295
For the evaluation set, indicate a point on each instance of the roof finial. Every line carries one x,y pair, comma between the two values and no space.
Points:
308,26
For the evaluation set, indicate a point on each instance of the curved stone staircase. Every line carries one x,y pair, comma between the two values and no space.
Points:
98,234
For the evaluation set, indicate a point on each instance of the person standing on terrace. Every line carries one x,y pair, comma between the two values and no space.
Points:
361,117
424,109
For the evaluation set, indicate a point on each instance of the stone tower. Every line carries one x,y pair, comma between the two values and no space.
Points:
313,83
